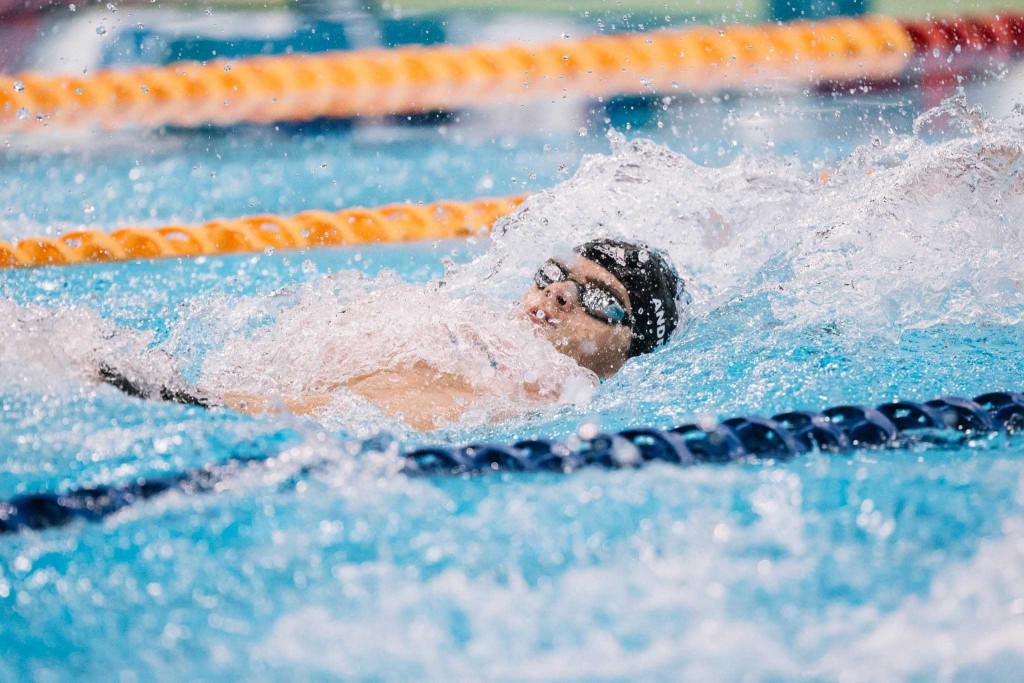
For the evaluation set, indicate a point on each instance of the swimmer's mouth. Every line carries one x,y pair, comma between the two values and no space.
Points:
539,317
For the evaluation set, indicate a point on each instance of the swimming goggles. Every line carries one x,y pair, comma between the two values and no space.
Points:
597,301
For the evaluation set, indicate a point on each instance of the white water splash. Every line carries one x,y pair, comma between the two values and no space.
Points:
345,327
903,235
44,349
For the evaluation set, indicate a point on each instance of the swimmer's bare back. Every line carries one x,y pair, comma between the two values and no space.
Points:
418,395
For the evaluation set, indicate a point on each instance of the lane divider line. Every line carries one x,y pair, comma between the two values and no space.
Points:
837,430
391,223
413,79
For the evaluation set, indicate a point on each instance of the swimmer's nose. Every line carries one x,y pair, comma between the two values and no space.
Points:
562,293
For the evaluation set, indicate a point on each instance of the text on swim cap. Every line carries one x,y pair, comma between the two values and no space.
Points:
659,311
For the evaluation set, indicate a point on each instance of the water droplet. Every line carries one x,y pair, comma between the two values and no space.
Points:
145,89
22,114
101,30
227,67
88,208
19,86
72,7
308,267
112,7
563,169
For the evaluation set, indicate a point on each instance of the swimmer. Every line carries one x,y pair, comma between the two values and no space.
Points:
608,302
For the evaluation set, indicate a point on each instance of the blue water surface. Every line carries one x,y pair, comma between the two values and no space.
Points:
752,571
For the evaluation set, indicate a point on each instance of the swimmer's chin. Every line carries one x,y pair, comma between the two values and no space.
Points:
546,330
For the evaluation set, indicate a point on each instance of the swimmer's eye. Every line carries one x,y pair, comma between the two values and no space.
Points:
549,273
603,305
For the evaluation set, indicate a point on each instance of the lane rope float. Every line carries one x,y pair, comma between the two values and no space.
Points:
392,223
414,79
839,429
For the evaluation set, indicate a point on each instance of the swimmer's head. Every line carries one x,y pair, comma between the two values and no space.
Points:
610,301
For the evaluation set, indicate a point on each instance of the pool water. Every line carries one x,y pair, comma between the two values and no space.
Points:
837,252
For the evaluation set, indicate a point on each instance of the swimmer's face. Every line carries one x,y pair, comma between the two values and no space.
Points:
560,317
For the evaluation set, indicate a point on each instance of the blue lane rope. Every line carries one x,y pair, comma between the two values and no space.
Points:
835,430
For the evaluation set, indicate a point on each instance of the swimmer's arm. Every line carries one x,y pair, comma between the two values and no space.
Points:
251,404
418,395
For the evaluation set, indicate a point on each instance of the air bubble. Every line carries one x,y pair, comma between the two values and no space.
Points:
19,86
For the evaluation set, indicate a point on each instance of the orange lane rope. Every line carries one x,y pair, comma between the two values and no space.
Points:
392,223
301,87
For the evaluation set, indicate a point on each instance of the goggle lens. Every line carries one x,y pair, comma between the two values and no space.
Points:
549,273
601,304
596,301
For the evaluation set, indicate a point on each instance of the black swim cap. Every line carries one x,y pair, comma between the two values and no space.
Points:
652,283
